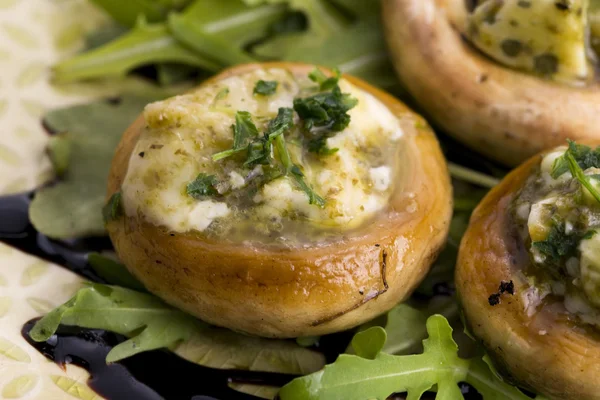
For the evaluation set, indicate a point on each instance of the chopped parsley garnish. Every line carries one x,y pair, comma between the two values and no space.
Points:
260,149
204,185
576,159
327,111
324,82
113,208
313,197
559,246
322,114
265,88
585,157
244,131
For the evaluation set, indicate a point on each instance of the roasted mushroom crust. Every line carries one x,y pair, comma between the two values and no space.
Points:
503,113
548,351
312,290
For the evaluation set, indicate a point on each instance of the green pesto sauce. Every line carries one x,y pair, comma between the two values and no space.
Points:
558,225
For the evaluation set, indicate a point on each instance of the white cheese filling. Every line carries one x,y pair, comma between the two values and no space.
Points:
184,132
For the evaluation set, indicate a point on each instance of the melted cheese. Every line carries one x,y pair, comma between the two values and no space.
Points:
185,131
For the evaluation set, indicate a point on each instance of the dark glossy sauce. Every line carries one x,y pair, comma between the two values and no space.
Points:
147,376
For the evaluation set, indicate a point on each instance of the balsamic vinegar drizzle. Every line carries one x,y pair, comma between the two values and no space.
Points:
152,375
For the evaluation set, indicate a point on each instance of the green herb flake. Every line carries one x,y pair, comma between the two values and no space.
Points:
283,122
244,131
577,172
585,156
328,110
202,186
265,88
113,208
558,245
325,83
313,197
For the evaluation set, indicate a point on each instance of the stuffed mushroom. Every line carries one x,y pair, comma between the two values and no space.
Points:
528,273
507,77
279,200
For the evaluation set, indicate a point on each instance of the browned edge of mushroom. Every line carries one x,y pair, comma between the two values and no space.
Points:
282,292
548,350
505,114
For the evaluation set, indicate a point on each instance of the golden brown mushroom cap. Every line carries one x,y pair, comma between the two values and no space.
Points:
283,292
505,114
548,351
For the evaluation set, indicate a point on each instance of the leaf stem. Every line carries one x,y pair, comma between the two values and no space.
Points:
471,176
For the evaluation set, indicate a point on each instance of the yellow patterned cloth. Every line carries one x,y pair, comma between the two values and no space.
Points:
34,34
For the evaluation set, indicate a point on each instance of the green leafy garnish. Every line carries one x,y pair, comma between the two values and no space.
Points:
204,185
283,122
558,245
584,156
265,88
59,151
127,13
372,374
325,83
313,197
155,324
92,139
244,131
152,324
143,45
328,109
577,172
113,272
113,208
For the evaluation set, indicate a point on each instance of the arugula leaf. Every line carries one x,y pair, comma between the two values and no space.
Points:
324,19
151,323
113,208
265,88
355,378
583,155
113,272
128,12
405,324
370,342
202,186
93,138
222,32
59,150
144,44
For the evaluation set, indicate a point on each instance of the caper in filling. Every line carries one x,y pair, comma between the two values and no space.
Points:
550,38
558,215
268,156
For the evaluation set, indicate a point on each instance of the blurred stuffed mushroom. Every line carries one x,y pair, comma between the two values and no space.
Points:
528,273
279,200
507,77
